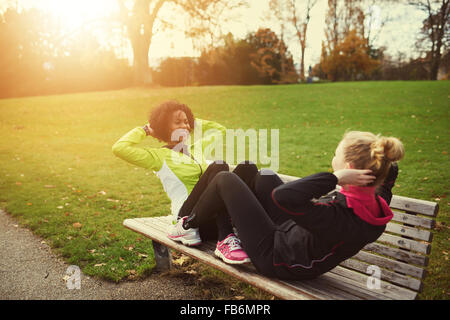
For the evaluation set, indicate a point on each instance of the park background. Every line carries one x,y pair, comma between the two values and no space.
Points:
76,75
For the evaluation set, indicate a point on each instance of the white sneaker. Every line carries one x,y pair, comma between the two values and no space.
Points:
189,237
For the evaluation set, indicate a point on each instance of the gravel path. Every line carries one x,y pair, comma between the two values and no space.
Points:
30,270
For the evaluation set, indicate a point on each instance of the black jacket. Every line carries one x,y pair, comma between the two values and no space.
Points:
322,233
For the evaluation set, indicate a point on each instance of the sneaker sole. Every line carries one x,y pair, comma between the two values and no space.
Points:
189,243
225,259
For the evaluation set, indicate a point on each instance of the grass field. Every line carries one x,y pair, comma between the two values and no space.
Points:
59,177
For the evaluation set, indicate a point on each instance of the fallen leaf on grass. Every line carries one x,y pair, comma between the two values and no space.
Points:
181,260
193,272
77,225
100,265
49,186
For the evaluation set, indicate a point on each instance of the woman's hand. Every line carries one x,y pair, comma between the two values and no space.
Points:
354,177
148,130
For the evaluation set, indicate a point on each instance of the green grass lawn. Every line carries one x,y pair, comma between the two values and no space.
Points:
59,177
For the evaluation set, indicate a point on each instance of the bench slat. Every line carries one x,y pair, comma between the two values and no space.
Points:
405,243
322,290
397,253
413,220
390,290
334,279
415,205
409,231
390,264
386,275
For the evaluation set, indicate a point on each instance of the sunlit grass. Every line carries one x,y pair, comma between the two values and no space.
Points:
60,178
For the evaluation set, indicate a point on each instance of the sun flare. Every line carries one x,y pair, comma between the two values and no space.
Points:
76,13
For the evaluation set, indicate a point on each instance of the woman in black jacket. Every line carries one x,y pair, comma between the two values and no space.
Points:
286,232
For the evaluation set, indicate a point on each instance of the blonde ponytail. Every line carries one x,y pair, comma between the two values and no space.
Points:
364,150
393,149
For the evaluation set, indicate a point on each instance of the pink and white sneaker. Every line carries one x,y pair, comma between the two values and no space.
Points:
230,250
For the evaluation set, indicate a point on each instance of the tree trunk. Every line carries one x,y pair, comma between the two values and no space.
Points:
302,65
140,30
141,69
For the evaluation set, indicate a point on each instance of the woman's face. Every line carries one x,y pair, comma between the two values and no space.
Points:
178,126
338,161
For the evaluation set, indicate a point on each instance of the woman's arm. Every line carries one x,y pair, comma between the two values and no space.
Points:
125,148
296,196
385,190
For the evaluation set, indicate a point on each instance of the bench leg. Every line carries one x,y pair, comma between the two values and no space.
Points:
162,257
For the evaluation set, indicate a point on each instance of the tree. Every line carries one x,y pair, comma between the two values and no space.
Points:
271,59
346,20
349,60
435,30
141,16
38,58
176,72
298,17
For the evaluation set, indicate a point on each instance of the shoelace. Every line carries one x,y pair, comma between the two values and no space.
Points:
234,243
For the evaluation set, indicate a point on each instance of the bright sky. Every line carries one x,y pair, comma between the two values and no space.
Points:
398,35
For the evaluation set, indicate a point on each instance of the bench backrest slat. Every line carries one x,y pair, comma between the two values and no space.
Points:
387,275
413,220
390,264
420,247
409,232
427,208
398,254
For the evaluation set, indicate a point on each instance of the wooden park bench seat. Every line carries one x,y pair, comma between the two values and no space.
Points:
401,254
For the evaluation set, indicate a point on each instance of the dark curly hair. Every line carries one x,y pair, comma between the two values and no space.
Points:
160,116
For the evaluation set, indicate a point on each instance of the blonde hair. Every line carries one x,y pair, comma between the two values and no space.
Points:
364,150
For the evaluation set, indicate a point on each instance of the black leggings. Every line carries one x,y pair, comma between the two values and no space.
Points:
216,226
253,213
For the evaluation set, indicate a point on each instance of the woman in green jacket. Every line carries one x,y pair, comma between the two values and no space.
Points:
183,170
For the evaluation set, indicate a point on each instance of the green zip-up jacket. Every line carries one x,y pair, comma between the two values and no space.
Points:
177,171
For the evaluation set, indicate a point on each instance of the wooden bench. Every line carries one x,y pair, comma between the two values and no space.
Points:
401,254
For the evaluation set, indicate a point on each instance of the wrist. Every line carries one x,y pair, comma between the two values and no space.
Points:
337,174
146,129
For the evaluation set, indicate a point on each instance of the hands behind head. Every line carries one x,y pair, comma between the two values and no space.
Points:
354,177
148,130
